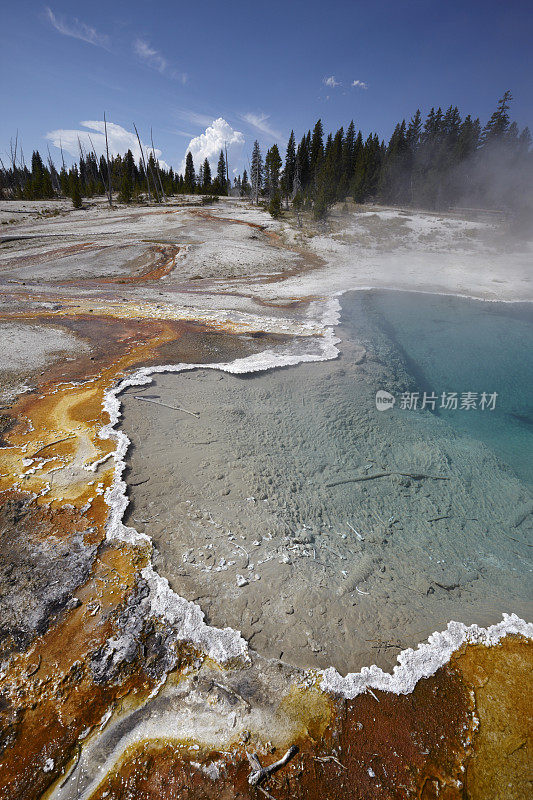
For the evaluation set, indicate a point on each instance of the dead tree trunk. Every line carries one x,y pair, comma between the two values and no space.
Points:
63,157
144,163
156,162
227,170
108,167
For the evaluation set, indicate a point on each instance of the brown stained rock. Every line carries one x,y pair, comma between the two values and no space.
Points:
58,688
408,746
425,745
49,696
44,557
500,678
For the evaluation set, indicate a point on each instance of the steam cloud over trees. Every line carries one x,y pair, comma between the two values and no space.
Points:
441,162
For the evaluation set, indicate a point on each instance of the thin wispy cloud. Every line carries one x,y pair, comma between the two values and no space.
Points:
194,117
260,123
77,30
217,136
120,140
156,60
359,85
331,82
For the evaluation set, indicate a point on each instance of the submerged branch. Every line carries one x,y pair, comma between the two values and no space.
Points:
417,476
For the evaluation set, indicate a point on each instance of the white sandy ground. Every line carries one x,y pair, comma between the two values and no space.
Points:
372,248
26,349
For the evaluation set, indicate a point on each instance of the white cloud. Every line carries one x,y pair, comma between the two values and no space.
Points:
260,123
120,140
209,144
360,84
154,59
331,81
77,30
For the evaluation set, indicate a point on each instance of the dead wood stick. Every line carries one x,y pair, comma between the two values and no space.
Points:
267,794
57,441
259,773
156,161
326,759
414,475
35,669
159,403
110,190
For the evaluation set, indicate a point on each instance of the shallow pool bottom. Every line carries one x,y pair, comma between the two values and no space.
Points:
325,530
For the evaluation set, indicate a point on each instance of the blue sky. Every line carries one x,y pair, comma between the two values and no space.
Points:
259,69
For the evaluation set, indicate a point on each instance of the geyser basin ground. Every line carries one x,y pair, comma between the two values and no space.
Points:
255,514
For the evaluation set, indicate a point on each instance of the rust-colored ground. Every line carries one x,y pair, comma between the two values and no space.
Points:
48,697
460,734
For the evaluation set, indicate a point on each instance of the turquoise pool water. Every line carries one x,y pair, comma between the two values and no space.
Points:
452,344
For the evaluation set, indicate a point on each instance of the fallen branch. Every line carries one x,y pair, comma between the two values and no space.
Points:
417,476
326,759
35,669
267,794
57,441
245,552
260,774
159,403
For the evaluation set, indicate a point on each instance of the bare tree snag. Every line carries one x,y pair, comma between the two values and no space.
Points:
144,162
108,167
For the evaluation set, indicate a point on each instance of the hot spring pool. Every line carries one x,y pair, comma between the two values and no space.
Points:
331,532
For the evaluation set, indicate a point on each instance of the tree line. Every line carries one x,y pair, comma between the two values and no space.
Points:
90,176
435,163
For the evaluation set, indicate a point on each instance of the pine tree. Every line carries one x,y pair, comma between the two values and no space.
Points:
221,174
335,166
256,172
189,178
290,166
206,186
64,182
126,189
348,160
302,162
297,203
75,187
40,186
271,171
317,149
498,124
245,186
126,182
274,206
394,183
414,132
